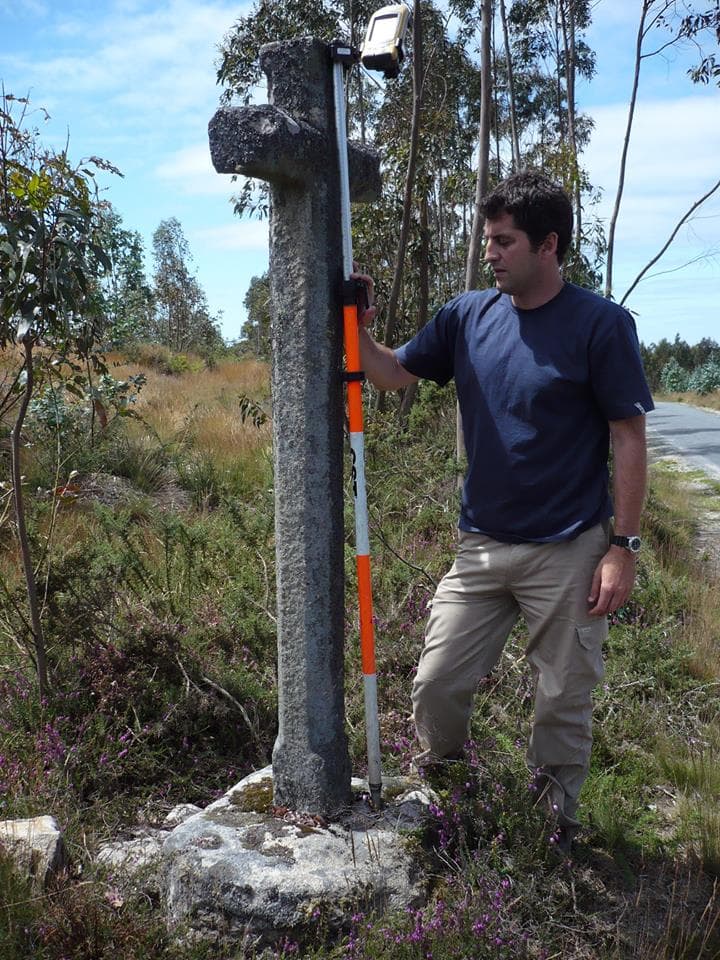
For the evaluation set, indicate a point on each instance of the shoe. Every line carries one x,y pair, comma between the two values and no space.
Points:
565,837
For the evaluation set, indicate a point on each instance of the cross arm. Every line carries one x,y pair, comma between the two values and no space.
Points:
266,142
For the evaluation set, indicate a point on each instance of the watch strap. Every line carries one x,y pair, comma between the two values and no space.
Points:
629,543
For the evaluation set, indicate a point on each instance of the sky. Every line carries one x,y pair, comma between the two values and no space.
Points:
133,81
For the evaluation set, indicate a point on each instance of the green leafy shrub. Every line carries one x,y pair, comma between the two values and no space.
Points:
162,358
673,377
706,378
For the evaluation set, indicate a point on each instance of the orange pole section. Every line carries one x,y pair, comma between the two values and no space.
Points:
352,365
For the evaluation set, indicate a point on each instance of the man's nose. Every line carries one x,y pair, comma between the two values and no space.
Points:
490,251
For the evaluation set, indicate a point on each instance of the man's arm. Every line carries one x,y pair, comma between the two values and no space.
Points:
381,365
615,574
379,362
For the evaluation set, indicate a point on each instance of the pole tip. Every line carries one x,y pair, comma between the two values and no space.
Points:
376,796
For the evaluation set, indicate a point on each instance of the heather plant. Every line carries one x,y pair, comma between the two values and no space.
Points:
17,914
156,693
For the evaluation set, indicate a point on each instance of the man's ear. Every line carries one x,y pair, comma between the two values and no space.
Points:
549,244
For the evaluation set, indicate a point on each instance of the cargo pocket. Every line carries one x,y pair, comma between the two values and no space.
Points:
590,639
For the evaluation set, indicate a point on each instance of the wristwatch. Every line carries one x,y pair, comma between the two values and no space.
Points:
630,543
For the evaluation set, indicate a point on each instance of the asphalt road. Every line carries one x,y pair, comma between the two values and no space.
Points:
676,429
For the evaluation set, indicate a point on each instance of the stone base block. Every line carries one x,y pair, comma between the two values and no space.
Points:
242,870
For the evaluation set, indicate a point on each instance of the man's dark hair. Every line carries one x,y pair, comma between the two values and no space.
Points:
537,205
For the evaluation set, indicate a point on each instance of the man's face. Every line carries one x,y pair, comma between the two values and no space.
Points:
517,267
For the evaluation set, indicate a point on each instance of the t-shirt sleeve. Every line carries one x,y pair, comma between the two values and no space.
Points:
618,378
431,352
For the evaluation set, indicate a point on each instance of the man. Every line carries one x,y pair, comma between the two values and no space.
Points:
547,373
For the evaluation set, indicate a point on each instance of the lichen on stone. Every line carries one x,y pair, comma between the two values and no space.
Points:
255,797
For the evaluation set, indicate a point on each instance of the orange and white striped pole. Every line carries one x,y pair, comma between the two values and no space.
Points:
341,55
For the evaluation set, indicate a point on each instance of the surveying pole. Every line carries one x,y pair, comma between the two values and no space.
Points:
388,27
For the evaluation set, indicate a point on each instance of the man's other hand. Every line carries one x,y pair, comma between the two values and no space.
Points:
612,582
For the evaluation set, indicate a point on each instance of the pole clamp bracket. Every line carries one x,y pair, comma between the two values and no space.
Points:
344,53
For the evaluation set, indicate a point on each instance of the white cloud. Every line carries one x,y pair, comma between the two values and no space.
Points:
673,142
190,170
154,62
672,161
249,235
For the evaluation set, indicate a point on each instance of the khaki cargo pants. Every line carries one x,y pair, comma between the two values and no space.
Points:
474,609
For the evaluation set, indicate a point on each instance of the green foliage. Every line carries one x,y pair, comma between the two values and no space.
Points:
255,334
163,685
706,378
251,410
162,358
182,320
16,912
139,458
50,258
678,354
50,251
674,378
86,921
127,300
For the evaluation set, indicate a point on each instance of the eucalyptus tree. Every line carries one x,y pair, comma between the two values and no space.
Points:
552,54
51,257
255,333
127,298
182,319
483,161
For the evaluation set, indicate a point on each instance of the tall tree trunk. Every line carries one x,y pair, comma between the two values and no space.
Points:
567,19
19,501
472,267
391,320
514,140
418,76
495,122
423,299
356,41
626,143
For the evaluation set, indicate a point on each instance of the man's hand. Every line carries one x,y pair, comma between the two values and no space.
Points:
612,582
366,316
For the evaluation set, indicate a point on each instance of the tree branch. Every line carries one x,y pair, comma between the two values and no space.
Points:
670,239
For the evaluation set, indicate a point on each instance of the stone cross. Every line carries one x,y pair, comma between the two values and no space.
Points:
291,144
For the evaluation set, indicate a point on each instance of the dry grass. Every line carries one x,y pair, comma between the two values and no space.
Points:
709,400
202,407
683,499
702,630
195,411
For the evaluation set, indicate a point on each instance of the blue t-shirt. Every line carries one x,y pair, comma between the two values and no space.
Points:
536,390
